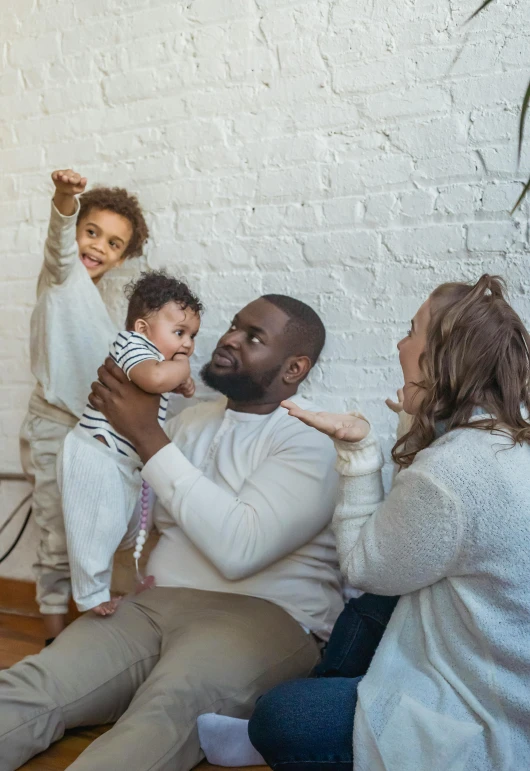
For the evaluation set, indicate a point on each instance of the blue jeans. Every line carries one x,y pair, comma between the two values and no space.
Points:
355,636
307,725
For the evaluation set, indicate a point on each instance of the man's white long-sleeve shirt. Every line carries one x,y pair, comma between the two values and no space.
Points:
244,506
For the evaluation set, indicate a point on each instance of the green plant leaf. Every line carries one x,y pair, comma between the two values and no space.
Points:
484,4
524,110
522,119
526,188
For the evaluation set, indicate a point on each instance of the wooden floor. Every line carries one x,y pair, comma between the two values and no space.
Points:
21,636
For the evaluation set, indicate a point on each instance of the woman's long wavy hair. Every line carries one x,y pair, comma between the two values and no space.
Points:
476,356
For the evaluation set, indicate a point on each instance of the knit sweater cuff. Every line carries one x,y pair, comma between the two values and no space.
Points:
404,424
355,459
65,219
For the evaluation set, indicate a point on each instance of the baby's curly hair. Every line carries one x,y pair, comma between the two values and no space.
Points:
153,290
118,200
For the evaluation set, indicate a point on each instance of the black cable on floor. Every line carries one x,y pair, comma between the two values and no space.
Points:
21,531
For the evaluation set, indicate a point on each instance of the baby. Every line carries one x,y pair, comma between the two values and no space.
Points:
99,470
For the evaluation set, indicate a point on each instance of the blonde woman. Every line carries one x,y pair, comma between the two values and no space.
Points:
449,686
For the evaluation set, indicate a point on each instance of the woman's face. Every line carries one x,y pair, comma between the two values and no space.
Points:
410,350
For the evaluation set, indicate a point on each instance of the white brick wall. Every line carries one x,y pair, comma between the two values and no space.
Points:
354,154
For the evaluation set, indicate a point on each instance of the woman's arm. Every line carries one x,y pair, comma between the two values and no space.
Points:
393,546
397,545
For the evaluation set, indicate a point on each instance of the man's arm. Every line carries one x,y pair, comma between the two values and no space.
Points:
281,507
286,502
61,249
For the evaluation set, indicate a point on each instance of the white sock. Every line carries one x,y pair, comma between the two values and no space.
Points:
225,741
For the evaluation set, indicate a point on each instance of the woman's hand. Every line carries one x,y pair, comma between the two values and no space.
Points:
396,406
347,428
131,411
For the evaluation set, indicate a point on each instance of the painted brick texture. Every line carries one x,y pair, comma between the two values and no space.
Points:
354,154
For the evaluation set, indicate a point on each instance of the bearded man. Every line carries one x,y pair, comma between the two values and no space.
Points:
246,572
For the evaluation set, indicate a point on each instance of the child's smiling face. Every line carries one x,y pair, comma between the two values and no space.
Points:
102,237
172,329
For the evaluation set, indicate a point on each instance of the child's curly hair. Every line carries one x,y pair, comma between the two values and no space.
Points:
118,200
152,291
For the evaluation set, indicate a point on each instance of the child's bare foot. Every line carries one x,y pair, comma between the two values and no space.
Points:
107,608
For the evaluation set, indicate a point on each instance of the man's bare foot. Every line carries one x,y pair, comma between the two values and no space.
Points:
54,623
107,608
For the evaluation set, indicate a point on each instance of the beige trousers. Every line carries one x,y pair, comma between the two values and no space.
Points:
40,441
165,657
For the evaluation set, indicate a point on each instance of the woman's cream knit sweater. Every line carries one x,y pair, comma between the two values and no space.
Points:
449,686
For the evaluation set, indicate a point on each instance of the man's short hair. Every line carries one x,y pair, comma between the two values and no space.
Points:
305,331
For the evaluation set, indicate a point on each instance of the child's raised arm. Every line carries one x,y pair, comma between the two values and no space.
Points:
68,184
157,377
61,250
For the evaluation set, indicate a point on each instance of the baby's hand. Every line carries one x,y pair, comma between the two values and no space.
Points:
69,182
396,406
186,389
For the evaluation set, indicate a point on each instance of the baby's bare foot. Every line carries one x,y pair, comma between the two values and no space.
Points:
107,608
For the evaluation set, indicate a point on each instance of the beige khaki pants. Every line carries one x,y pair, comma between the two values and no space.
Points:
40,441
165,657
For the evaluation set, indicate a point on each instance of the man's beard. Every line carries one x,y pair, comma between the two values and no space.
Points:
239,388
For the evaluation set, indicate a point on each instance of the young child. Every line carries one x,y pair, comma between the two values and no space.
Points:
99,470
71,331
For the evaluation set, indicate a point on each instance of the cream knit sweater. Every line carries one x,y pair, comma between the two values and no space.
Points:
449,686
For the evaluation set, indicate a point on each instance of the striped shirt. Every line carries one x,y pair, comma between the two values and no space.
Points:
128,350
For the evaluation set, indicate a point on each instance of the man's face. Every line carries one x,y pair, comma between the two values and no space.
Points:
249,357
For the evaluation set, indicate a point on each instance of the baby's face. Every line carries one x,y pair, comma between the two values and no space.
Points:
173,330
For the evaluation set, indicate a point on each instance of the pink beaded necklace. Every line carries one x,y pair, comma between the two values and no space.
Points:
149,581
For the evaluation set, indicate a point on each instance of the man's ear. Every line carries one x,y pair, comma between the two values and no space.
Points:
297,369
141,326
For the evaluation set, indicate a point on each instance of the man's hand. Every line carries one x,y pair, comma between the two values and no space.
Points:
348,428
186,389
68,183
131,411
